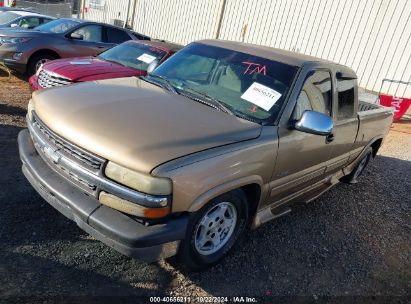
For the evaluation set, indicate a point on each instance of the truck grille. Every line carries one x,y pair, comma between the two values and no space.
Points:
48,79
54,143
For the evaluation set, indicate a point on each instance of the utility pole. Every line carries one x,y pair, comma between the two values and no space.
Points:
220,19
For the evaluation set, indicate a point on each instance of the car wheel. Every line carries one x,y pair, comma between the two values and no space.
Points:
214,230
352,178
37,61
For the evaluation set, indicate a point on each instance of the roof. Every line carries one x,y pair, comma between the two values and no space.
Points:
26,13
174,47
287,57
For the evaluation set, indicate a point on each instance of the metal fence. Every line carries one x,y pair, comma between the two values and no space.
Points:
371,36
59,9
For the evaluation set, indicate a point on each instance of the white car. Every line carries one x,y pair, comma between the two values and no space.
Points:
22,19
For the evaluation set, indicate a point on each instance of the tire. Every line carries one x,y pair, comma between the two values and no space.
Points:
35,62
352,178
213,231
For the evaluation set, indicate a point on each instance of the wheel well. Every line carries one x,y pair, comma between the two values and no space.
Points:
375,146
253,194
46,52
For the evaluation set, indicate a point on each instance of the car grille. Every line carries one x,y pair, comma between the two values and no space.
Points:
48,79
83,159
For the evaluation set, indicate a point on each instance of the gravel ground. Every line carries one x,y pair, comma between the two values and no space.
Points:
353,241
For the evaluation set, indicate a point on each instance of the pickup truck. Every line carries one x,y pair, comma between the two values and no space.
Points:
222,137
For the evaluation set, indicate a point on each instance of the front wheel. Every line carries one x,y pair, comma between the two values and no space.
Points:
214,230
37,61
352,178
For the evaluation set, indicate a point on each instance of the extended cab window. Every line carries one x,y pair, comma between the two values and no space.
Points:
316,95
345,89
249,86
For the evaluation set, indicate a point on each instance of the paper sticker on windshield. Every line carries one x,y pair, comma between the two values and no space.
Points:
262,96
146,58
80,62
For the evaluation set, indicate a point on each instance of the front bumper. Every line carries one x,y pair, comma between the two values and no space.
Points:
15,66
115,229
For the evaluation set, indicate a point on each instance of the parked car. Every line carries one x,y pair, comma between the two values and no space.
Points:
23,19
131,58
220,135
24,51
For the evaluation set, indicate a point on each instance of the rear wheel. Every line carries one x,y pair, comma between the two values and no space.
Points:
37,61
214,230
352,178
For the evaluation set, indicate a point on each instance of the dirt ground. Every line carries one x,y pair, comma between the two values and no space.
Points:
353,241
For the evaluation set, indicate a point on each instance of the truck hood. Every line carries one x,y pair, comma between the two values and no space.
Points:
89,68
136,124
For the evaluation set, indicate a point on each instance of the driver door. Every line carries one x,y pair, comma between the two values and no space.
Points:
92,43
302,157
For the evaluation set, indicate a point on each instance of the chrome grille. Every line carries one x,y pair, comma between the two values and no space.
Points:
51,147
48,79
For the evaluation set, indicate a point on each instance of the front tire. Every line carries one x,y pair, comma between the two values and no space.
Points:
214,230
36,61
352,178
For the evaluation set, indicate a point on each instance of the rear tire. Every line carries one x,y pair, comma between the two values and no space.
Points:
352,178
36,61
213,231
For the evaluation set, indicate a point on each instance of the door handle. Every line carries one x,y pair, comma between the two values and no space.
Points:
100,47
329,138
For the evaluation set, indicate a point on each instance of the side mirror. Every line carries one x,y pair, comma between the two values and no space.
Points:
76,36
152,66
314,123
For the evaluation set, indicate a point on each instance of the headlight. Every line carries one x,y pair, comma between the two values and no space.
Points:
125,206
39,70
10,40
139,181
30,109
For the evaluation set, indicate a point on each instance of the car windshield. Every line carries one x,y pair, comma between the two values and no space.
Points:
249,86
6,17
57,26
134,55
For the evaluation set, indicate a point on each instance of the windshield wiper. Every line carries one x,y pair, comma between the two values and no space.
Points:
167,83
217,103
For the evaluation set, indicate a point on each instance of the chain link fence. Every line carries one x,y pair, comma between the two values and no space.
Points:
55,8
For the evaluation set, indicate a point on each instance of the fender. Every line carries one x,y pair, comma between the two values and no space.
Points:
204,198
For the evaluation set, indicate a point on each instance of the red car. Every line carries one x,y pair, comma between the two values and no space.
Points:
131,58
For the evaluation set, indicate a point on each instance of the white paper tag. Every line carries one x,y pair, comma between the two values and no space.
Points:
80,62
146,58
261,96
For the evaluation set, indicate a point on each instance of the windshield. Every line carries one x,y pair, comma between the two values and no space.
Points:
6,17
133,55
247,85
57,26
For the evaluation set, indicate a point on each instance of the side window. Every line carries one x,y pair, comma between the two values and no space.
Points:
29,23
45,20
114,35
92,33
316,95
345,89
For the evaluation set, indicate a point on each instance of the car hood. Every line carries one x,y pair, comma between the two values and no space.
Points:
89,68
137,124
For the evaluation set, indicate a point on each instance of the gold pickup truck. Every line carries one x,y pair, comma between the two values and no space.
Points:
223,136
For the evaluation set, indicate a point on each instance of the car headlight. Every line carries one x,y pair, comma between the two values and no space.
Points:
139,181
30,109
39,70
11,40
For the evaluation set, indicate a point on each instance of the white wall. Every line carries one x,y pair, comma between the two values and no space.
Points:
371,36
